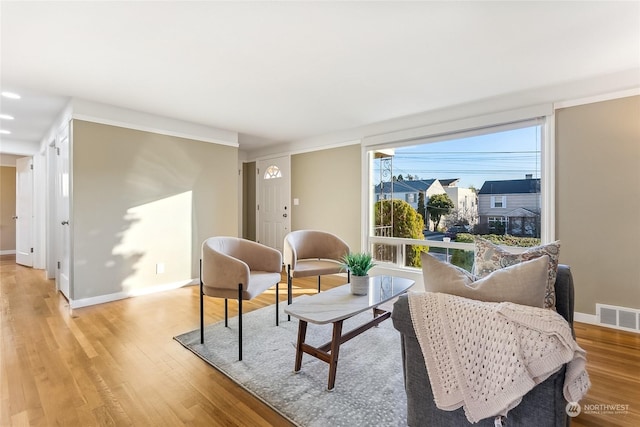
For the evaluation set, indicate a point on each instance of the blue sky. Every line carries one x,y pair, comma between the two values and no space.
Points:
505,155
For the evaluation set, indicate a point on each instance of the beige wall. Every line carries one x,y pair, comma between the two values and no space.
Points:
140,199
598,200
7,208
327,183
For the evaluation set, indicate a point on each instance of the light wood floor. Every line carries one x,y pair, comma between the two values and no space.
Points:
116,364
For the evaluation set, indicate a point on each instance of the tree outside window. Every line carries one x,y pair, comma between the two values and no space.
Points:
396,218
439,205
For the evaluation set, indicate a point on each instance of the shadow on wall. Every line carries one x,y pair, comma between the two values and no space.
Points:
165,228
151,248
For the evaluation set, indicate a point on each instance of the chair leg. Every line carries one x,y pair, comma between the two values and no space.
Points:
240,321
289,288
318,284
226,313
348,276
277,300
201,306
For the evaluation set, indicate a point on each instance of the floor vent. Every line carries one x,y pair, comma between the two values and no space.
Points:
618,317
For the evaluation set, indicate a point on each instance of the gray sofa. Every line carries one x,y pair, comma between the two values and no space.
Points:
543,406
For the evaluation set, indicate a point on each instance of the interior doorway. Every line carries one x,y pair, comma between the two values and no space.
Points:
249,204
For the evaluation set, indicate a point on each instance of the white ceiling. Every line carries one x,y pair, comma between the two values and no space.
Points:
288,71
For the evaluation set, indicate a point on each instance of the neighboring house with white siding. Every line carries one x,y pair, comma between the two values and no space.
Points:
464,199
409,190
510,207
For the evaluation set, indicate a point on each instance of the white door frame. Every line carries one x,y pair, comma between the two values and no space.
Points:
52,212
63,191
24,211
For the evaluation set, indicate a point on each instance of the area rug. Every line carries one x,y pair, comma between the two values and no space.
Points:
369,387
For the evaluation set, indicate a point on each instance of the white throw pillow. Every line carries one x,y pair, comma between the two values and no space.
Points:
522,283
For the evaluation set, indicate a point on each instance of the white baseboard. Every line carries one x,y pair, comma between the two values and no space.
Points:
591,319
101,299
8,252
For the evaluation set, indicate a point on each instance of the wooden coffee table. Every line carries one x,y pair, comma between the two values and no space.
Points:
337,305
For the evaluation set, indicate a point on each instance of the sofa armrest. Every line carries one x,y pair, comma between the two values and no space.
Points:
565,293
401,316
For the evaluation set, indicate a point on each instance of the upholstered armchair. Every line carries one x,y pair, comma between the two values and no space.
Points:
312,253
234,268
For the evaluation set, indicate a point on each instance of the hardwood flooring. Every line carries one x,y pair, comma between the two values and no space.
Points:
116,364
613,363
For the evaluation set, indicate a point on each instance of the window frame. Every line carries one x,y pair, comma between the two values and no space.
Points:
542,115
503,202
504,220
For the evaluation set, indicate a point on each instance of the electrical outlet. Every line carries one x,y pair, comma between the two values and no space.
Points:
160,268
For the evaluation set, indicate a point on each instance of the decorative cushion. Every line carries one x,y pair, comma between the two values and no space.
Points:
523,283
490,257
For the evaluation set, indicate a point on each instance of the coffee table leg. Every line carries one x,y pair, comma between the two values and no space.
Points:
302,334
335,348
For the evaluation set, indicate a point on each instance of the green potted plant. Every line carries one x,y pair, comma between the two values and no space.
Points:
359,264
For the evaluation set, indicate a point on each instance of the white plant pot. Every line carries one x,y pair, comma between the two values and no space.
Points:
360,285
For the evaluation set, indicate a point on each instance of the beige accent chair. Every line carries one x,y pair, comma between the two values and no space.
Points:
312,253
234,268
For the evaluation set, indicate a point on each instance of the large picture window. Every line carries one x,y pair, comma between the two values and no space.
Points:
428,192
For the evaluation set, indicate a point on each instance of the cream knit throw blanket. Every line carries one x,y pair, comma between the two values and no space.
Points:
486,356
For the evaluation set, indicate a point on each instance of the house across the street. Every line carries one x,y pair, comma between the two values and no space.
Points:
510,206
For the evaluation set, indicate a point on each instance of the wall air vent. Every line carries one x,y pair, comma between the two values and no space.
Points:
624,318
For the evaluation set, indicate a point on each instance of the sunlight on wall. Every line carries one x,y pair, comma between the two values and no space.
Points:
160,235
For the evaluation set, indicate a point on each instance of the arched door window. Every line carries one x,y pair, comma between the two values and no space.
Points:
272,172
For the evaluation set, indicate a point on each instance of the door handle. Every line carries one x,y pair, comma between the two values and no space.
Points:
65,223
284,215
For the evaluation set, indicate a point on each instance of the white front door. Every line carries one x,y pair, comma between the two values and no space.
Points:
273,211
24,211
63,248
